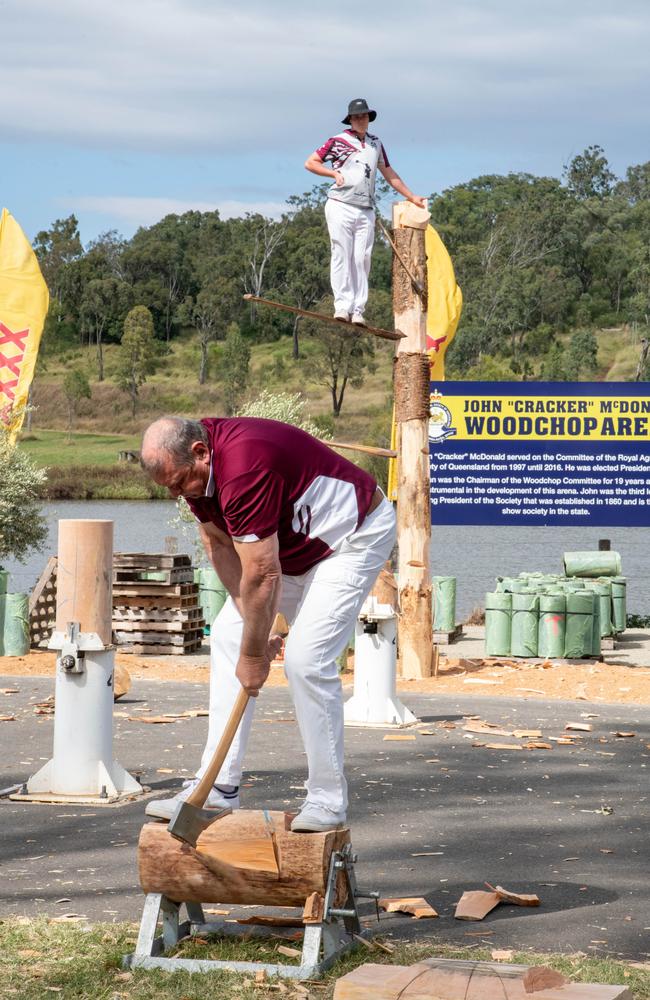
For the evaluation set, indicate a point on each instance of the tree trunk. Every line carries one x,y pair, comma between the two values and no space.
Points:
198,875
415,639
100,357
203,368
295,354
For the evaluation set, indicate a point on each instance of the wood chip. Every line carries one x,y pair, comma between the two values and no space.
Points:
9,691
398,737
515,898
416,906
476,904
314,909
580,727
288,952
156,720
538,745
525,734
503,746
624,735
502,954
7,718
484,728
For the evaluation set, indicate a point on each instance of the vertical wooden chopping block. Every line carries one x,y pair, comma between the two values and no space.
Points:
415,628
85,577
210,873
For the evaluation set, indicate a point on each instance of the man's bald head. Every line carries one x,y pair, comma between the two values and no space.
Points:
169,440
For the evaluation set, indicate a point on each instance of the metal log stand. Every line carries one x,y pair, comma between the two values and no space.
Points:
324,942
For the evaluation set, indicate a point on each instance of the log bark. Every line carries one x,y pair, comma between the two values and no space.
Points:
185,874
415,631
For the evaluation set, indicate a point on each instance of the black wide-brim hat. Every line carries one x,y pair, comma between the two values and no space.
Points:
359,106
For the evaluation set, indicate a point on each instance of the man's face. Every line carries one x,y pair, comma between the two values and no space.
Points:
360,123
186,480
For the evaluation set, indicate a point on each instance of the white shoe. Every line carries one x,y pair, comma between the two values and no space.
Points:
164,808
358,319
342,314
317,819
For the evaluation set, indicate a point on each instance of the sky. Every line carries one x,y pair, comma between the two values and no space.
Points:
126,111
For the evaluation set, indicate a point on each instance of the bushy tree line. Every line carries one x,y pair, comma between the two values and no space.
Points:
535,256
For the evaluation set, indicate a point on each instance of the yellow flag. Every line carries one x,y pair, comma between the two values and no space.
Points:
24,301
443,313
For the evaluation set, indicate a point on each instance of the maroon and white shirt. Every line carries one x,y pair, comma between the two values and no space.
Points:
269,477
357,159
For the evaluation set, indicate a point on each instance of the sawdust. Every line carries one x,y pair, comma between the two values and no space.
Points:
609,683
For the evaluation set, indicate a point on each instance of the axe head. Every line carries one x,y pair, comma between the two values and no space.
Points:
188,822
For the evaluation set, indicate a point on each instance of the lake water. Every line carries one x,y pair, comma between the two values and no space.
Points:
475,555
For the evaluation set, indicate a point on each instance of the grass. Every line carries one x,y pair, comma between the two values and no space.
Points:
53,447
41,958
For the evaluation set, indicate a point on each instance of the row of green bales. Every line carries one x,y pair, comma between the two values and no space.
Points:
558,616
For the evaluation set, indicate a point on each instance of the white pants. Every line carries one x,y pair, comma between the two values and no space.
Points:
321,606
352,234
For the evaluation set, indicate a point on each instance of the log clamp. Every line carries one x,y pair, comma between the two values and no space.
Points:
323,944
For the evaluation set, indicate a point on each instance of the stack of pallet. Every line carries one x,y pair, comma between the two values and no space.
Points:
42,607
156,606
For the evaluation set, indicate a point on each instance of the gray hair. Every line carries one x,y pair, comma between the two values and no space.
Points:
172,437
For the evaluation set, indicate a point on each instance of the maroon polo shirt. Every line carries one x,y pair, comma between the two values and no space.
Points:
269,477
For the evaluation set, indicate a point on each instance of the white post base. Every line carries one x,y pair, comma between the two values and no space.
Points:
374,701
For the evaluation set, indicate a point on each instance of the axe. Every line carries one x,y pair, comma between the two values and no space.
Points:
190,818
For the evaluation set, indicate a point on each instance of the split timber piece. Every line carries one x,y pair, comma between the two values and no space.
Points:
446,979
366,448
322,318
412,375
178,871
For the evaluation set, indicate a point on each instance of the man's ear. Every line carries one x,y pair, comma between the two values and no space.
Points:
200,451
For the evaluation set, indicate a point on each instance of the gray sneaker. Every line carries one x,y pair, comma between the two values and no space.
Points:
317,819
217,799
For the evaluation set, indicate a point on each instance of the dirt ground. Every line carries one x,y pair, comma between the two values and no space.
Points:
594,682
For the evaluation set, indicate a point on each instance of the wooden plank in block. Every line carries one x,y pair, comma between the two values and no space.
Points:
475,905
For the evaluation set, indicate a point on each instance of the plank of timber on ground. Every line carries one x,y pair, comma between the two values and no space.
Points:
475,905
374,330
42,582
448,980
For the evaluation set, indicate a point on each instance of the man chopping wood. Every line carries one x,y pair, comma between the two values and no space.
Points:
352,158
289,526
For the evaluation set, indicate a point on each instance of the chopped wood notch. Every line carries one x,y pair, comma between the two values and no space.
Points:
321,317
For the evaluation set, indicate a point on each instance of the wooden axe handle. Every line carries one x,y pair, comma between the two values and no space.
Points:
199,794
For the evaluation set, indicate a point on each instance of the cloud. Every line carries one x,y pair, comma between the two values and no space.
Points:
146,211
185,75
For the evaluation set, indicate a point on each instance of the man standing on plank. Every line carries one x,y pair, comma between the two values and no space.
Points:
354,155
289,526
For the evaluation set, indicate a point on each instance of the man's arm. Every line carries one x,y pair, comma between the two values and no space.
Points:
222,555
315,165
398,184
259,592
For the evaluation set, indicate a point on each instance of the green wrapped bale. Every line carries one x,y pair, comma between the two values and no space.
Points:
15,632
552,624
592,564
578,640
525,615
603,591
619,603
444,603
498,615
212,595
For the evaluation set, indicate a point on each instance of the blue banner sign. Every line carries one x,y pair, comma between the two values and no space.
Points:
570,453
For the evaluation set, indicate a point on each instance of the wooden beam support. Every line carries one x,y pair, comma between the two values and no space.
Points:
415,633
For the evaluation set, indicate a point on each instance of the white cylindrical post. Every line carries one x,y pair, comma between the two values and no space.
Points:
82,766
374,701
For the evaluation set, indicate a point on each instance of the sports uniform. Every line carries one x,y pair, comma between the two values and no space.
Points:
350,215
335,531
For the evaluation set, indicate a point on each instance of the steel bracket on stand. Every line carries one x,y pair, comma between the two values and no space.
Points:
323,944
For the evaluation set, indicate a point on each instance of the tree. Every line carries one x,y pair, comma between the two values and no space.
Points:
588,174
208,313
267,236
137,353
340,357
57,248
103,306
235,362
581,356
22,525
285,406
306,259
75,388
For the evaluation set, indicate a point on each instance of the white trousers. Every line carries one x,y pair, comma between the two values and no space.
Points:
352,234
321,606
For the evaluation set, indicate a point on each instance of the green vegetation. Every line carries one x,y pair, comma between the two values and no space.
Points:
42,958
22,526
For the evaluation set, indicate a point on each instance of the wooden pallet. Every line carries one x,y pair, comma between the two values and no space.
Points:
123,614
164,603
151,649
158,626
135,590
441,638
147,560
153,577
42,606
157,635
